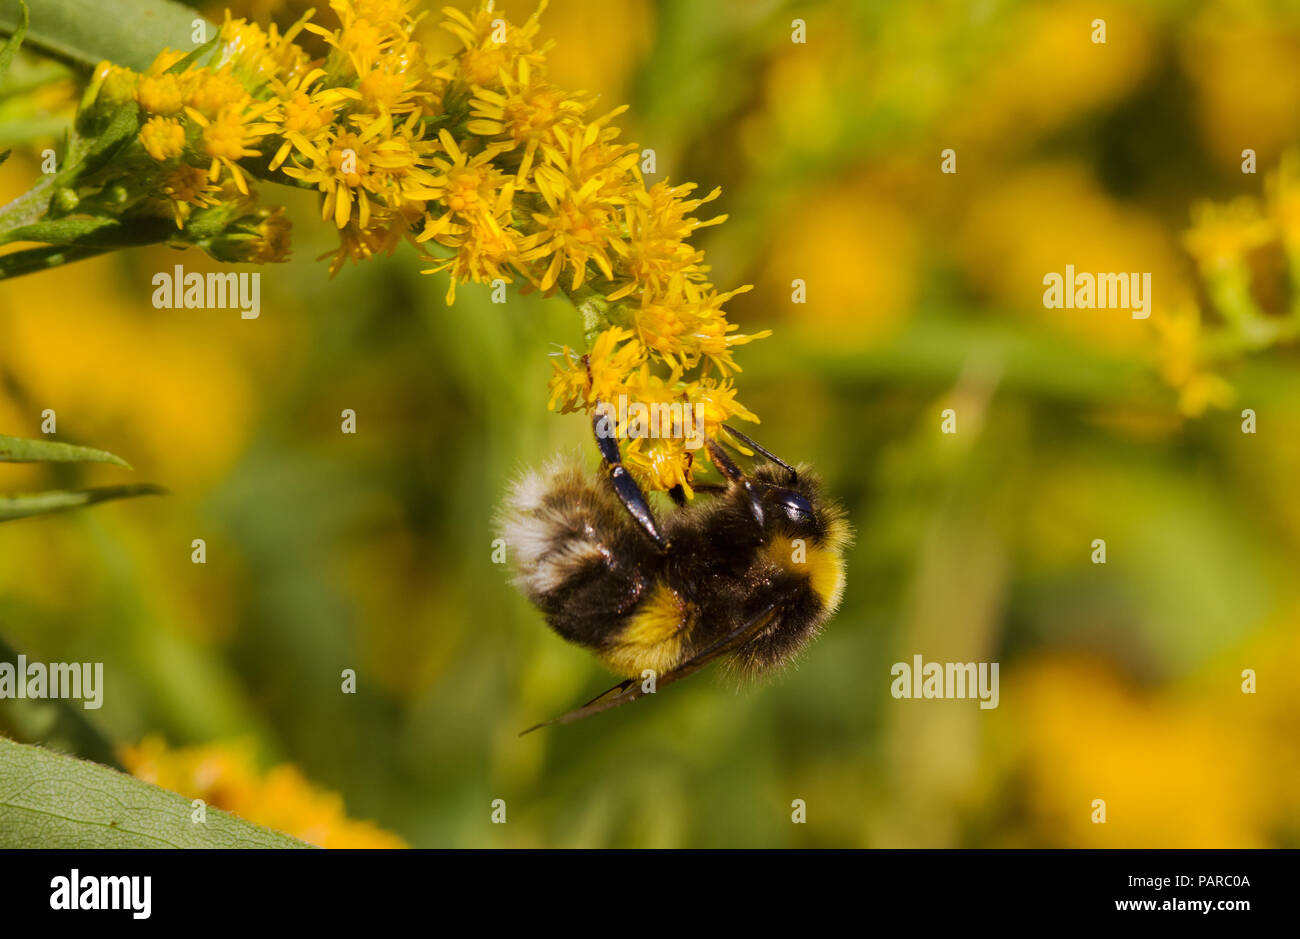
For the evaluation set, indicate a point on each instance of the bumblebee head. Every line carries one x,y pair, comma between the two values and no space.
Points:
793,506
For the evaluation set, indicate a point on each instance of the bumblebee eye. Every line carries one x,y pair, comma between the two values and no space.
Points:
796,508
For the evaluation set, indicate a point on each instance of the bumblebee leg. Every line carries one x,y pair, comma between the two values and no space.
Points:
625,487
759,448
678,494
734,476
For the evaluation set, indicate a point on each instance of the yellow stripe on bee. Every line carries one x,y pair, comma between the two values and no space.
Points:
822,564
652,638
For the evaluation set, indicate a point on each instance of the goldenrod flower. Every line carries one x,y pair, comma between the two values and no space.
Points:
110,86
228,138
379,161
162,138
160,94
618,368
492,169
492,45
215,92
581,227
485,249
187,187
582,382
524,110
662,462
302,115
659,222
256,55
368,28
686,324
260,237
381,237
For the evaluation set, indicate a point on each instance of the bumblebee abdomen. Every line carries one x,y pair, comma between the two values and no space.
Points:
655,636
576,555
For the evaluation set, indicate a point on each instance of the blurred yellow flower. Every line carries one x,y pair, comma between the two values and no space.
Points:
1172,774
1043,69
1180,362
857,252
1246,86
1283,200
1052,214
1222,236
226,776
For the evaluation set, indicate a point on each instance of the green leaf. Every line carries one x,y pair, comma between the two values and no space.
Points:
59,500
93,232
86,32
62,231
192,58
105,141
53,801
11,47
40,259
22,450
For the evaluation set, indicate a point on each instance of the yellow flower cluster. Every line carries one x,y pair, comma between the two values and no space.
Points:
495,173
1222,240
225,776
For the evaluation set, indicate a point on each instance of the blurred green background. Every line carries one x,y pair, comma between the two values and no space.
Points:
373,551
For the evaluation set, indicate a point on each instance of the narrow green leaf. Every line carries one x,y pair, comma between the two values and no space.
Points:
93,232
59,500
86,32
16,40
192,58
22,450
62,231
39,259
52,801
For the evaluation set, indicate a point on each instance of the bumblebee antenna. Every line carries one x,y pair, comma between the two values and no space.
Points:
732,472
763,451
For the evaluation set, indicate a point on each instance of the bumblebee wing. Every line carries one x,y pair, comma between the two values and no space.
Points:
631,689
612,692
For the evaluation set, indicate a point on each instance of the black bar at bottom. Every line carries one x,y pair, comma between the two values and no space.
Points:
592,889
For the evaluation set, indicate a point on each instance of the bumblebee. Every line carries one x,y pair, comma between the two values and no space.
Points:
748,575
